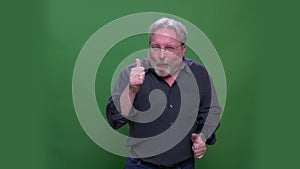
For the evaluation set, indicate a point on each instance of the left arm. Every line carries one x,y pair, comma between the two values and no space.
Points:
209,114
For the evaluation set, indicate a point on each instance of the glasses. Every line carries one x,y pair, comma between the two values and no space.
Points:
169,48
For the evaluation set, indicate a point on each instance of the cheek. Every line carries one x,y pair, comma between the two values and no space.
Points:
175,58
153,56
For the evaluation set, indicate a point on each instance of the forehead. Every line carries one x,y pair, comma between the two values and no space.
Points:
164,35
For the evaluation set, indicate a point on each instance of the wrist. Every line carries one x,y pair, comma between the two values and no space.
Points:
202,136
133,89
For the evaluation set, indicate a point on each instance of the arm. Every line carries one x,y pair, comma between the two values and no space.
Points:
126,100
136,79
211,122
208,115
120,103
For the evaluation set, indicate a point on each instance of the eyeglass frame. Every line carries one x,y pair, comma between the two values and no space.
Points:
168,48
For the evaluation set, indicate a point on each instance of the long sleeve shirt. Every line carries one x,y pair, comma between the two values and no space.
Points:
163,117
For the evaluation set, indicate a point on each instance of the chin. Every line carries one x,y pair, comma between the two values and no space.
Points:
162,73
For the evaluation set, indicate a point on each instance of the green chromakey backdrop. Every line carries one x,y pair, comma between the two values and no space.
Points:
257,42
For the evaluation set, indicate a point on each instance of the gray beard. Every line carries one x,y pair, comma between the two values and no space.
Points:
161,73
172,69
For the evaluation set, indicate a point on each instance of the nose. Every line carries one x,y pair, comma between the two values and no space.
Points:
162,54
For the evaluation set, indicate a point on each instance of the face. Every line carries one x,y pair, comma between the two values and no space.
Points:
166,52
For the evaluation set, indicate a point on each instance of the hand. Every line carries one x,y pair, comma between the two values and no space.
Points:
137,76
199,146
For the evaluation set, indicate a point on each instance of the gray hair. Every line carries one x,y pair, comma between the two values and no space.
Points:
178,27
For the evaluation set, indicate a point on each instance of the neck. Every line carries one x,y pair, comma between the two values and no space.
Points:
171,78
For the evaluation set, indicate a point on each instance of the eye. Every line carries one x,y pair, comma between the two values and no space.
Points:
170,48
155,47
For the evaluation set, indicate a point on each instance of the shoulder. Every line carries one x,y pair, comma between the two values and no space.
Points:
195,66
201,75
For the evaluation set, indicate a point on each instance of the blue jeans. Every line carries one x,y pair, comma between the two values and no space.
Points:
136,163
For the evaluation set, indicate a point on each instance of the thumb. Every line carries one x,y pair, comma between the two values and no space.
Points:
195,137
138,62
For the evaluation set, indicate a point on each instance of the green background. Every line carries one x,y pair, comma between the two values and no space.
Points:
257,41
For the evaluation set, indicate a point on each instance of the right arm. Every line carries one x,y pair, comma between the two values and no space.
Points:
120,103
136,79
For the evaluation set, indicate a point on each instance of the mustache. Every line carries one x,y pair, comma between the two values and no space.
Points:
162,63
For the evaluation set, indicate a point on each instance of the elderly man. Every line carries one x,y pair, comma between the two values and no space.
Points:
166,99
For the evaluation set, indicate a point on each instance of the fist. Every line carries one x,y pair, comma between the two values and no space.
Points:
137,76
199,146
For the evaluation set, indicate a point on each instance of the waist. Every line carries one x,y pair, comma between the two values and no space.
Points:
178,164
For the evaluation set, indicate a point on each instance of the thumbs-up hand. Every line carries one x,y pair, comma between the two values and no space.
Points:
199,146
137,76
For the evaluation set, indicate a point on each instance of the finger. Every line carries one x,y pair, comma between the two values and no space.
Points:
198,151
138,79
201,146
198,148
138,62
135,71
199,156
137,82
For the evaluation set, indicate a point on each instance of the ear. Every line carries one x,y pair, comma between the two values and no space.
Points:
183,50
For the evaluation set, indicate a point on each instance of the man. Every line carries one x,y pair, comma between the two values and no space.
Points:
169,102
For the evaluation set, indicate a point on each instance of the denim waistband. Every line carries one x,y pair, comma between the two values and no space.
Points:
167,166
